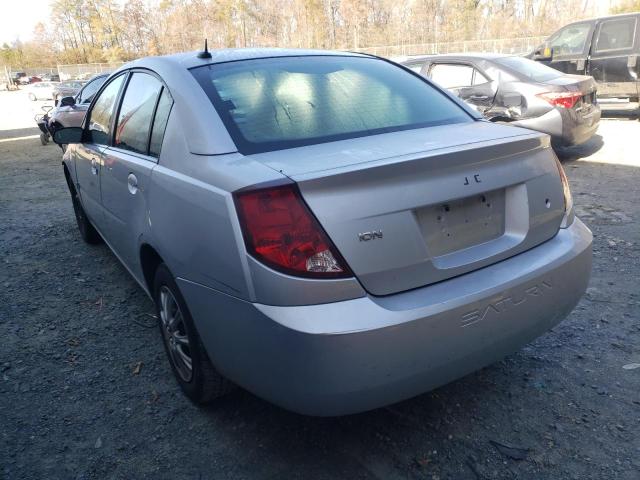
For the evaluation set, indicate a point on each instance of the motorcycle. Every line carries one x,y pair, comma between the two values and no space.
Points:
42,120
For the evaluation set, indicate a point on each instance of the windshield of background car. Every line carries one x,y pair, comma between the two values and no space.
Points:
529,69
90,89
277,103
570,40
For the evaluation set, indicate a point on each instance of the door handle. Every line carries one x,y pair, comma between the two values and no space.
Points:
132,184
94,166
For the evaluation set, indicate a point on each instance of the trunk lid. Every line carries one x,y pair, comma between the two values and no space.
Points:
581,83
411,208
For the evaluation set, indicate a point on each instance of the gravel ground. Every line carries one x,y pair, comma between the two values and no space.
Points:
86,392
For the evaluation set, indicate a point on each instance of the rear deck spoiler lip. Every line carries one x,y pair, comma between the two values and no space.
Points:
538,139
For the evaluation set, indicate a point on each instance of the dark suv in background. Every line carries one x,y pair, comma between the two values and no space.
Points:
607,48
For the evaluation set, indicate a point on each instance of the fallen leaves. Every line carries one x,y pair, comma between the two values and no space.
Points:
136,368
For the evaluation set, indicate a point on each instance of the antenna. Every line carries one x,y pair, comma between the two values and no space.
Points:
205,53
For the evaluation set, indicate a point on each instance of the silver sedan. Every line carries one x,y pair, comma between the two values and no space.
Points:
327,230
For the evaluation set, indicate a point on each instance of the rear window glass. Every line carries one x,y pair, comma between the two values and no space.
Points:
277,103
528,69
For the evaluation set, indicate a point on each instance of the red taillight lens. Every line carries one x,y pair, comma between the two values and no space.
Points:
280,231
561,99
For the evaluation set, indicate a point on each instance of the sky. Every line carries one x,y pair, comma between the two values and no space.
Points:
19,17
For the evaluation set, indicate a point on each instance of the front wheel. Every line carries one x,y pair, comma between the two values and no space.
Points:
193,370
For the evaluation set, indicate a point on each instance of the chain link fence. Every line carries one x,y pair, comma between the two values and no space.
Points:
504,45
85,71
516,46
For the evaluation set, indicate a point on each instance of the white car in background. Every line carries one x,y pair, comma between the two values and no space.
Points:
41,90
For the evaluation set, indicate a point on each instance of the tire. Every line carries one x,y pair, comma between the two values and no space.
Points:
87,231
32,97
202,384
44,139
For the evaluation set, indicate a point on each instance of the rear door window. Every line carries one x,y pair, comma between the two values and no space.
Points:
136,113
275,103
449,75
617,34
479,78
101,115
160,123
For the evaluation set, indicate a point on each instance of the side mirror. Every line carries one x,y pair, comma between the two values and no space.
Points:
543,53
67,102
65,136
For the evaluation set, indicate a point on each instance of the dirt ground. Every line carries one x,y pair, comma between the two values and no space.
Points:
86,391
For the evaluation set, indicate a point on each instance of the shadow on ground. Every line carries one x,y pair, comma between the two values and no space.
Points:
585,150
19,132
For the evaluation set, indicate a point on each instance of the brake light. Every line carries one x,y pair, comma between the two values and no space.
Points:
280,231
561,99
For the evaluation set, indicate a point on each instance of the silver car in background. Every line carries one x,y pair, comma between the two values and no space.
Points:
516,90
327,230
41,90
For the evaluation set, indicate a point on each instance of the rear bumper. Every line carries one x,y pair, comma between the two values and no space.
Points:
356,355
566,126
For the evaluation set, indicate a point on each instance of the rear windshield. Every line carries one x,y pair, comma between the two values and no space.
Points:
529,69
277,103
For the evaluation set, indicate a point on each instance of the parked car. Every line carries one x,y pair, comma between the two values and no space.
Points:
41,91
607,48
16,77
514,89
325,229
68,88
71,110
25,80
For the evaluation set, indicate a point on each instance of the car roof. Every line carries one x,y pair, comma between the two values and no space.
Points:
457,56
191,59
191,103
606,17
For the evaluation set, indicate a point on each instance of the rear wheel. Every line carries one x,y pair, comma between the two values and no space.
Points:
193,370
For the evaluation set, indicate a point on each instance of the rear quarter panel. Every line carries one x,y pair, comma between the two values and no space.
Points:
192,215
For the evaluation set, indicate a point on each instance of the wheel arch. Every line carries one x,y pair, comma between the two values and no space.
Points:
67,176
150,259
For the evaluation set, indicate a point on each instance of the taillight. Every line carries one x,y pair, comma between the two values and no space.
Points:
561,99
568,199
280,231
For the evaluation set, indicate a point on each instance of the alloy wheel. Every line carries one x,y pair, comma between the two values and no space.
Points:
175,335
